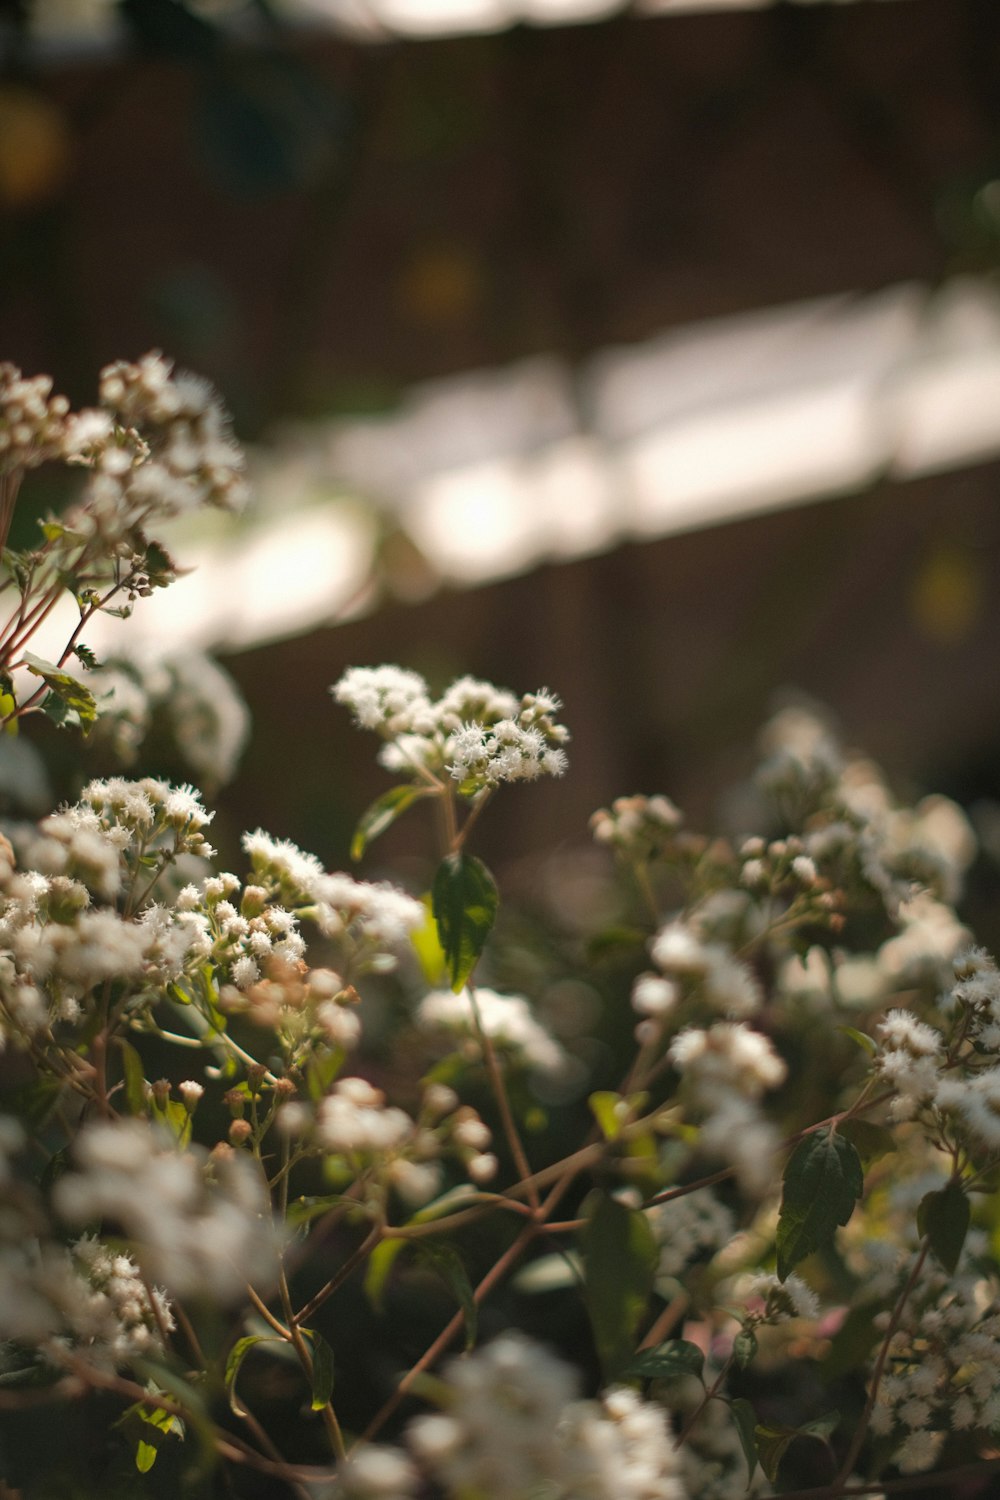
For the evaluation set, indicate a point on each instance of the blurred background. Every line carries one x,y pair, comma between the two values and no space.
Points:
648,351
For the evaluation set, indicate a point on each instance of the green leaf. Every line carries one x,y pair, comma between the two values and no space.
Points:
8,705
446,1261
870,1141
135,1082
744,1347
667,1361
77,702
148,1427
427,947
85,656
234,1360
382,814
465,902
604,1106
746,1425
620,1258
823,1181
322,1371
380,1263
773,1442
864,1041
944,1218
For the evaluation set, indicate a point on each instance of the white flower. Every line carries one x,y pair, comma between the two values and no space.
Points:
201,1232
506,1019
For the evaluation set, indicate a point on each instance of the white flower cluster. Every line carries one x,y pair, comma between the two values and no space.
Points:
199,701
89,1303
778,1301
194,458
513,1429
642,827
853,822
726,1070
200,1225
683,954
944,1366
109,1317
356,1122
477,734
688,1229
506,1019
242,933
32,420
366,920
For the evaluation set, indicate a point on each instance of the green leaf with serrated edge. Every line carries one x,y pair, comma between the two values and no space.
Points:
382,814
864,1041
604,1105
823,1181
322,1368
447,1263
380,1263
870,1141
234,1360
746,1425
744,1347
620,1259
944,1218
465,902
66,687
667,1361
135,1082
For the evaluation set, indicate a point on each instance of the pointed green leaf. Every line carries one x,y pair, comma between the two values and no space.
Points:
8,706
234,1360
667,1361
447,1262
75,699
427,947
944,1218
135,1081
382,814
744,1347
322,1372
863,1040
380,1263
604,1105
465,902
620,1258
823,1181
772,1445
773,1441
746,1425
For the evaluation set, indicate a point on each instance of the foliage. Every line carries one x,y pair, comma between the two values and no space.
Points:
240,1228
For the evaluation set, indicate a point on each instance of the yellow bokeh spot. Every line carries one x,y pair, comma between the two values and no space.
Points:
34,147
441,284
946,595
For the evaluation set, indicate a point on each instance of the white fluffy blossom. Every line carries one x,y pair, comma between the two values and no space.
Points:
201,1227
506,1019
